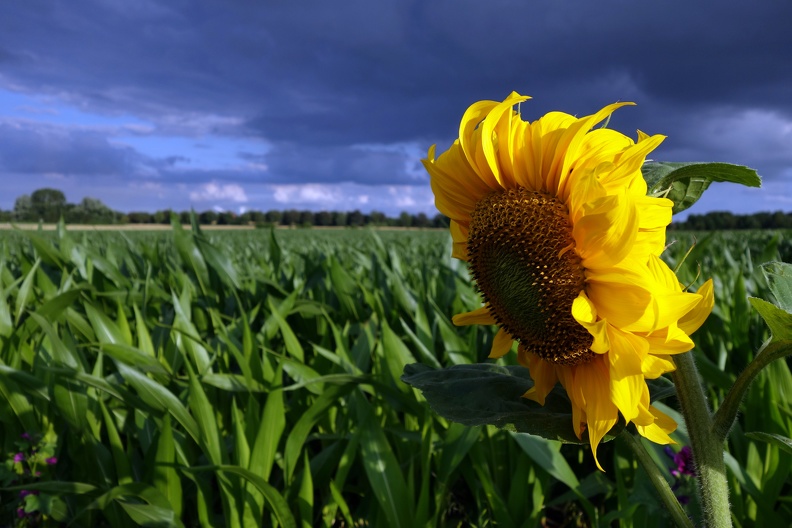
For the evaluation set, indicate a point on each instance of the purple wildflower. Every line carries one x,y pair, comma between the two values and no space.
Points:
19,457
25,493
21,513
52,461
26,436
684,463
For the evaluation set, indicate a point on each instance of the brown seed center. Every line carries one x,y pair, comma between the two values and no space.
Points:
522,257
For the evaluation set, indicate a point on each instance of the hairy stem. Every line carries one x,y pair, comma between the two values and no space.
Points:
658,481
707,447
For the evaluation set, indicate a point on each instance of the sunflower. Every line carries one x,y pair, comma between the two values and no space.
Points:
563,244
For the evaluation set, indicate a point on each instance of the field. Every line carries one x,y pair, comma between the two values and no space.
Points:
252,378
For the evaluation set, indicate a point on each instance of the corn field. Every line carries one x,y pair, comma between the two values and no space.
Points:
253,379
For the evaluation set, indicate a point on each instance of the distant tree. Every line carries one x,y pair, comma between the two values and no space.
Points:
162,216
48,204
323,218
184,217
226,218
306,218
339,219
207,217
290,217
355,218
405,219
274,216
377,218
421,220
138,217
23,209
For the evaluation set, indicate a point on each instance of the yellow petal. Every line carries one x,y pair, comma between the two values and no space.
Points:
501,344
655,366
627,384
543,374
693,320
605,233
658,431
480,316
601,413
585,313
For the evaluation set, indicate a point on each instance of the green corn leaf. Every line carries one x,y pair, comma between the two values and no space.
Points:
106,330
306,494
382,469
781,442
276,501
25,291
307,421
684,183
166,478
154,394
268,437
122,467
290,340
547,455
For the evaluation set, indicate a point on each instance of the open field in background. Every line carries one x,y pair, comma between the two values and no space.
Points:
167,227
252,378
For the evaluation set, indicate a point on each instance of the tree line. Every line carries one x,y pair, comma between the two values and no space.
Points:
724,220
50,205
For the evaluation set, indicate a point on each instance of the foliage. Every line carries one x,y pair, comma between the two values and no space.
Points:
253,379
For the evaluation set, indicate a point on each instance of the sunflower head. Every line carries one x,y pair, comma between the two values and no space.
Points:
563,244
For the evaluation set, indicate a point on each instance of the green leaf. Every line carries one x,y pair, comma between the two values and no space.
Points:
779,277
546,454
684,183
279,505
382,468
165,477
779,321
488,394
782,442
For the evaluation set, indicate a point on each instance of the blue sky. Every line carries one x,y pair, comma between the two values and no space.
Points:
235,105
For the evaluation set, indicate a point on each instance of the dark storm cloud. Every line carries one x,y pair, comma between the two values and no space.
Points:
33,148
314,79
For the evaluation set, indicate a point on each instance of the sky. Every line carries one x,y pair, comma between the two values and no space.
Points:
273,104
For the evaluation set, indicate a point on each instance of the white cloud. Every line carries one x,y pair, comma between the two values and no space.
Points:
214,191
307,194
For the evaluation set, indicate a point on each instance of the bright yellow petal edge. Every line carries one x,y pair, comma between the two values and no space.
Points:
631,303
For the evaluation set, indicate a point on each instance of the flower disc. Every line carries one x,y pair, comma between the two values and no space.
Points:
521,255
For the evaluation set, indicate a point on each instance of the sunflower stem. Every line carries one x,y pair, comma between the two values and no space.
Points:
658,481
707,446
727,412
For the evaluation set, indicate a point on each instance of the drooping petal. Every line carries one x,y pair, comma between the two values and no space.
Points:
602,414
658,431
542,372
501,344
655,366
479,316
693,320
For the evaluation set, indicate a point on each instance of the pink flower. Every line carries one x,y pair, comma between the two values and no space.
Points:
52,461
19,457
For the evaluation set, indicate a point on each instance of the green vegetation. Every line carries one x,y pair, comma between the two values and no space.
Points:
50,205
252,378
